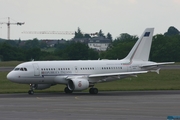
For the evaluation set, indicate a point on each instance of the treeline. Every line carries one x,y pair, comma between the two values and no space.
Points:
164,48
32,51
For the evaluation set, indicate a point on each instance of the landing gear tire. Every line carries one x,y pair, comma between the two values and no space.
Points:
67,90
30,92
93,91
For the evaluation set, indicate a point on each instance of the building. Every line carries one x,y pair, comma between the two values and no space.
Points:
81,40
99,43
52,43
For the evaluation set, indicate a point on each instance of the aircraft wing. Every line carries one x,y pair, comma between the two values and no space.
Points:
156,64
116,74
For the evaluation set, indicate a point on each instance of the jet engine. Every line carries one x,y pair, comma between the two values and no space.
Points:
78,84
40,86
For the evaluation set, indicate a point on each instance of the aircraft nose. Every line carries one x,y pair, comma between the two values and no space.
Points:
10,76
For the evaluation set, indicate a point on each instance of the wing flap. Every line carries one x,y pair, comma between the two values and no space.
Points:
116,74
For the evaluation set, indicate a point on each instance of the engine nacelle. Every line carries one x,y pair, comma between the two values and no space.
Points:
40,86
78,84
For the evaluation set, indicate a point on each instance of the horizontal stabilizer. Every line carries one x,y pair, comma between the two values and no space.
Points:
156,64
157,71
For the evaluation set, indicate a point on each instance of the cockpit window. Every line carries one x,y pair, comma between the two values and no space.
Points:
20,69
16,69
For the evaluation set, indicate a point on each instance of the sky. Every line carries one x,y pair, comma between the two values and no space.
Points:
113,16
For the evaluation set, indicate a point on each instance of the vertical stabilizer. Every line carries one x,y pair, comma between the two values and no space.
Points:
141,49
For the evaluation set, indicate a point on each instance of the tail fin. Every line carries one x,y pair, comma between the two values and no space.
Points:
141,49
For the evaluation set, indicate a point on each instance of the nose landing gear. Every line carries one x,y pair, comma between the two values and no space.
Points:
32,87
31,92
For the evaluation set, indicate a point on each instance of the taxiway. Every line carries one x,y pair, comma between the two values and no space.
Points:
129,105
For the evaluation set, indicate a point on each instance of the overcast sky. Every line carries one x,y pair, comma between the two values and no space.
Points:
114,16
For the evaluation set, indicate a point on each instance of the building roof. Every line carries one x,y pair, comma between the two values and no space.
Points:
99,40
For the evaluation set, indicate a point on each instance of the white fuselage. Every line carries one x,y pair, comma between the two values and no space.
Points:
55,72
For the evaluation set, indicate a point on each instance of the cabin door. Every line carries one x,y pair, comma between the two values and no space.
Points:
36,69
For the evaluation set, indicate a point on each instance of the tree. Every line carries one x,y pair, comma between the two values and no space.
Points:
92,54
33,53
101,34
78,34
87,36
109,36
32,44
9,52
12,42
172,31
77,51
165,48
120,47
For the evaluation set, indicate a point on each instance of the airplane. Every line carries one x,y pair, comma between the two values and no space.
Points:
83,74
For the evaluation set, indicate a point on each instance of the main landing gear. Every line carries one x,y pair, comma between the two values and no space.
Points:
67,90
93,91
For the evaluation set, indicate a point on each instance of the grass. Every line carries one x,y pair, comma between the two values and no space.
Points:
166,80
